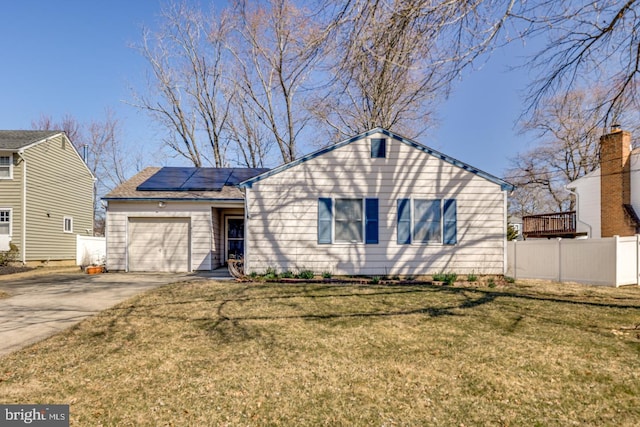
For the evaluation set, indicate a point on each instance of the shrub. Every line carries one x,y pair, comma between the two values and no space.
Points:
472,277
305,274
491,283
326,275
287,274
448,278
253,275
271,274
9,256
375,280
509,279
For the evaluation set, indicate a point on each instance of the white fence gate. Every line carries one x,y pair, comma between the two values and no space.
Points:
609,261
90,250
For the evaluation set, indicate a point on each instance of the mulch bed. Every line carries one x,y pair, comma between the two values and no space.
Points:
10,269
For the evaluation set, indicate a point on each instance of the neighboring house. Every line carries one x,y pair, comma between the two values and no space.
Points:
46,195
608,199
374,204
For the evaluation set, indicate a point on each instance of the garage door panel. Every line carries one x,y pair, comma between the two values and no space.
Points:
158,244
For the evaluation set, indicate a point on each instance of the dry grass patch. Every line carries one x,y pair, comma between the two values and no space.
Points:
209,353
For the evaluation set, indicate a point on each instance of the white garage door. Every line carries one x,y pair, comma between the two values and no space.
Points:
158,244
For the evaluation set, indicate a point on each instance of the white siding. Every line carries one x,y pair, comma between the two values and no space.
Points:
282,224
635,181
118,214
588,208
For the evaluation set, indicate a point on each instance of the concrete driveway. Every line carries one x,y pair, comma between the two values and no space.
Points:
43,305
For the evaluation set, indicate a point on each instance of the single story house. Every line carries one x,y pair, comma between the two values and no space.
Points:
373,204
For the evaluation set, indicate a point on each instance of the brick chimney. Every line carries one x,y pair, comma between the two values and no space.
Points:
615,184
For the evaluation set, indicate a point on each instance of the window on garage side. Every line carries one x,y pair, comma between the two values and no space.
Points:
68,224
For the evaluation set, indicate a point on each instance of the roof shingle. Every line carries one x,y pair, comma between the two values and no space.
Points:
16,139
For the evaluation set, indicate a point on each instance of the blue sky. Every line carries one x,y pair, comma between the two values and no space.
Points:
74,57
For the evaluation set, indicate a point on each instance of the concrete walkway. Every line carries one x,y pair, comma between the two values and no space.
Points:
43,305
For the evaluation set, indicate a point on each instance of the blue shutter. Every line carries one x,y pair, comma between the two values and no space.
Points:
449,214
371,221
378,148
404,221
324,220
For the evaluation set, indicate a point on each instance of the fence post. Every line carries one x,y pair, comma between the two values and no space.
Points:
559,240
638,259
616,243
515,258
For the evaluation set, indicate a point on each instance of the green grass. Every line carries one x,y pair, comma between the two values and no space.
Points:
207,353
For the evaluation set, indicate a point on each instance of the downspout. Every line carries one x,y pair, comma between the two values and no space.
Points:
247,218
23,244
578,210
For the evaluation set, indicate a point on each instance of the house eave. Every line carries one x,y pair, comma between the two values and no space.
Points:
504,186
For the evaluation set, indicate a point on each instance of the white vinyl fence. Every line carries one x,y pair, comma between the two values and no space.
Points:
612,261
90,250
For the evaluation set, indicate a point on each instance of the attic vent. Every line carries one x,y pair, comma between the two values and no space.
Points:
378,148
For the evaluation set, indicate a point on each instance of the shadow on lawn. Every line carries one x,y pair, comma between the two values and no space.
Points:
234,328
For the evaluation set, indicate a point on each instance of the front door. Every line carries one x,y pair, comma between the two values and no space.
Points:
234,237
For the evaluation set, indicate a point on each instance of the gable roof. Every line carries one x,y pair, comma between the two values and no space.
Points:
14,140
173,183
504,185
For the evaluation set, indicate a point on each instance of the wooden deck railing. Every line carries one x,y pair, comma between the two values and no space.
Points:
549,225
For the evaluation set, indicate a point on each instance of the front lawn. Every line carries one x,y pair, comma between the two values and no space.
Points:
207,353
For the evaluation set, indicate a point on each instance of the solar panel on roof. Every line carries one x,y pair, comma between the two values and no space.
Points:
167,179
197,179
242,174
207,179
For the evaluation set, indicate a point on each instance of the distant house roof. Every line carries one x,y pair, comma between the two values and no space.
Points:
16,139
502,183
179,183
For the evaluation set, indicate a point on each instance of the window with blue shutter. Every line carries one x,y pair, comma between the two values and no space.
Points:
449,214
404,221
371,221
325,220
378,148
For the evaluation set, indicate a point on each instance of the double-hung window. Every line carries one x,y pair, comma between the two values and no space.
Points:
6,166
427,221
5,221
347,220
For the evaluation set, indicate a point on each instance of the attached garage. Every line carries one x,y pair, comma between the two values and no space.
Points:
158,244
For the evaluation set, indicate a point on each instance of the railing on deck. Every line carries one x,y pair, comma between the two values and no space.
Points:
549,225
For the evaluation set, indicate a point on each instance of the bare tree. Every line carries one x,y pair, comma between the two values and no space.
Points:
276,48
186,59
393,62
108,159
587,42
568,129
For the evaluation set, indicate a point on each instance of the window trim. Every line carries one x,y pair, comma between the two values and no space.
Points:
64,224
10,156
362,221
10,210
411,221
326,225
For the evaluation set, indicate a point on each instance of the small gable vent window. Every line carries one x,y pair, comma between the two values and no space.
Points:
378,148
